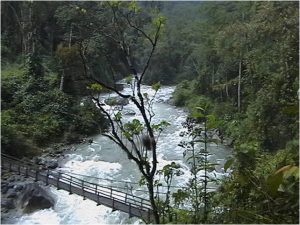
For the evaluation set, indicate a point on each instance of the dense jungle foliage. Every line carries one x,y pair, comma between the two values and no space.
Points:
238,60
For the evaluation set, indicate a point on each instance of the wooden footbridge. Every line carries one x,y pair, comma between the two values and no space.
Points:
102,195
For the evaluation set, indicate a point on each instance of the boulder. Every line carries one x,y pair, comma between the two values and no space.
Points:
51,164
228,142
112,101
7,204
129,112
11,179
34,198
11,193
18,187
4,189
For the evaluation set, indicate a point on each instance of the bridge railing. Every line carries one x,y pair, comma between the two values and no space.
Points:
30,169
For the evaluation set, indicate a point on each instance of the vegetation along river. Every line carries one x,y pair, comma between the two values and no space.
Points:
104,163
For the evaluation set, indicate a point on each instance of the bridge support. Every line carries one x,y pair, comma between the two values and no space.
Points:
149,216
129,211
113,204
19,170
26,172
82,187
47,178
57,181
70,187
98,199
36,175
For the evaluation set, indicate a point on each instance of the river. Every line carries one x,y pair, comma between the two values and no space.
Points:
104,160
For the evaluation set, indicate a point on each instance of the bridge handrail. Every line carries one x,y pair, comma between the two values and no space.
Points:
110,192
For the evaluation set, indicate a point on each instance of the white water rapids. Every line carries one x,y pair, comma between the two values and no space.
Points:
104,159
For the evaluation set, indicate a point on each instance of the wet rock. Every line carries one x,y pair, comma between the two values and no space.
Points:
4,189
4,184
52,155
228,142
129,112
35,198
18,187
11,179
7,204
11,193
59,151
216,138
38,161
51,164
112,101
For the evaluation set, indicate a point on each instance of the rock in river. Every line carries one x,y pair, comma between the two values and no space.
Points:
112,101
35,198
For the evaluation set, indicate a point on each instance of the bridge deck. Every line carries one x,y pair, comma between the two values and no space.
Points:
112,198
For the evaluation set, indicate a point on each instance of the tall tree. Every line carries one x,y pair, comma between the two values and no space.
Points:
122,25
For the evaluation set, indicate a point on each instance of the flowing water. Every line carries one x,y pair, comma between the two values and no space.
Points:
104,160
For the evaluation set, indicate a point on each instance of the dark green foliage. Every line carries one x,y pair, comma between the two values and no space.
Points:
237,60
262,36
35,112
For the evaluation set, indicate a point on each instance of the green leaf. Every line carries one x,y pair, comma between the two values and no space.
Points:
96,87
159,21
156,86
146,96
198,115
128,79
200,108
273,182
212,122
118,116
228,164
133,6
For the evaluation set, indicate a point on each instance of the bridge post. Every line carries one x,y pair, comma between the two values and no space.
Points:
110,191
98,199
170,217
82,187
26,172
113,204
47,177
126,197
176,217
129,210
57,181
19,170
149,216
70,187
36,175
96,188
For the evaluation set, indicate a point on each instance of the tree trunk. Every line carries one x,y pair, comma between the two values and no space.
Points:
239,86
152,200
70,36
62,79
213,76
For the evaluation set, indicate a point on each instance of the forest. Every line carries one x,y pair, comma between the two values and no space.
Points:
235,66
